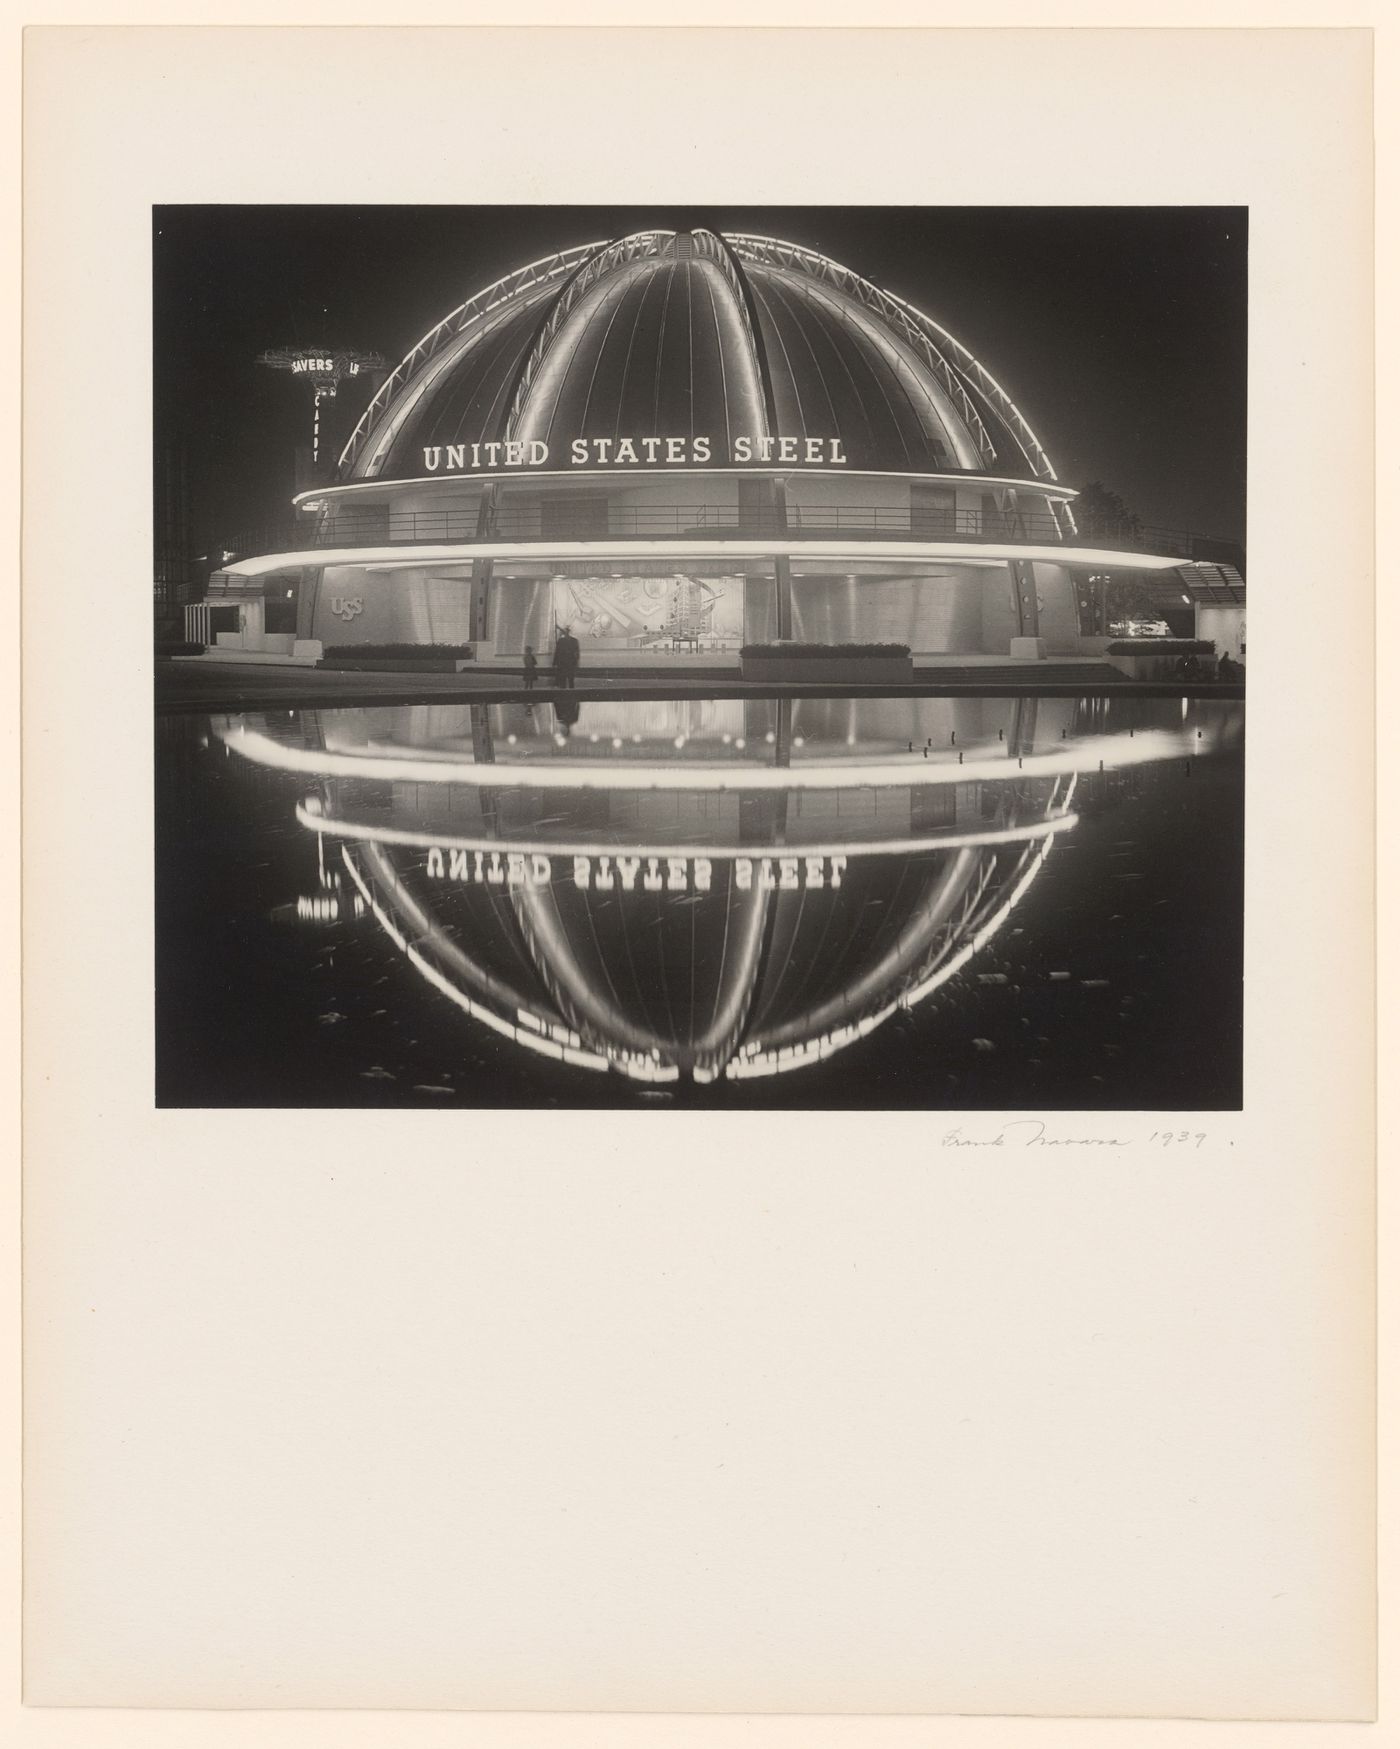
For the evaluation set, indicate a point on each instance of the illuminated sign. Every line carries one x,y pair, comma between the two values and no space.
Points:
323,369
629,452
629,874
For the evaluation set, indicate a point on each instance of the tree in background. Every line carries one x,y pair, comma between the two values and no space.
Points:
1098,511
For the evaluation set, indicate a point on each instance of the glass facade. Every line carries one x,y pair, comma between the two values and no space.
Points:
656,608
930,606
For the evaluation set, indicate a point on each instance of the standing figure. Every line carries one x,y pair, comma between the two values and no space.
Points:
566,655
531,667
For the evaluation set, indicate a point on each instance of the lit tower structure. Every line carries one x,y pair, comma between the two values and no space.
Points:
325,370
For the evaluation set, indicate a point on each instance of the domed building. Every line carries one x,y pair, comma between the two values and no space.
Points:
675,444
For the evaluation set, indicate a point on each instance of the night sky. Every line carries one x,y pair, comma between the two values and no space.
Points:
1120,332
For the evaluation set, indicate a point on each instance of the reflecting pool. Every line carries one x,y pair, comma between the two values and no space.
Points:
964,903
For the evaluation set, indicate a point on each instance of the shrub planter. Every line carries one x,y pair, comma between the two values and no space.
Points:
1162,658
397,658
803,664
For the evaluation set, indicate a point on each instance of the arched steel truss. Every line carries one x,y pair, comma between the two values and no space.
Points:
523,279
715,247
928,338
641,246
588,261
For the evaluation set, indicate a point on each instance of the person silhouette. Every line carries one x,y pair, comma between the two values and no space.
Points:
531,667
566,659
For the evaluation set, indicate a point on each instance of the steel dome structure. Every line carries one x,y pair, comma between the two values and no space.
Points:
678,444
662,334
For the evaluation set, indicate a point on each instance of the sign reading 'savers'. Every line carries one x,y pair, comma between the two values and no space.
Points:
632,452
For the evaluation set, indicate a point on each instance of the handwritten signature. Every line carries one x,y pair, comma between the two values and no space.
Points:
1029,1132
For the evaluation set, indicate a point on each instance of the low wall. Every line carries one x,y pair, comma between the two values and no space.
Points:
798,670
268,643
1159,666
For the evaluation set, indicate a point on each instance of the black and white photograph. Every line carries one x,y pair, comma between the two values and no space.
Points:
754,658
700,1029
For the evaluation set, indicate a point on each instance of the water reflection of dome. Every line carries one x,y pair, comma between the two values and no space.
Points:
623,903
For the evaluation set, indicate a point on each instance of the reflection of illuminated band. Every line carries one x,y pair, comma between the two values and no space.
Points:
982,936
532,1030
528,1035
760,1062
715,852
961,908
386,766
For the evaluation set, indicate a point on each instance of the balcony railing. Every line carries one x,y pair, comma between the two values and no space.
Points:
528,523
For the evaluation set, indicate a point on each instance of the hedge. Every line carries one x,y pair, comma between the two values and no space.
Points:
804,651
182,647
400,652
1160,647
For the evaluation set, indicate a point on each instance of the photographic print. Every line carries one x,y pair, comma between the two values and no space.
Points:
680,1059
753,658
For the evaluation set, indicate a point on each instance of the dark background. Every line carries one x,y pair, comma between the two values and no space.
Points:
1120,332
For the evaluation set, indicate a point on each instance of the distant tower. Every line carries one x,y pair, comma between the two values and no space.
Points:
325,370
